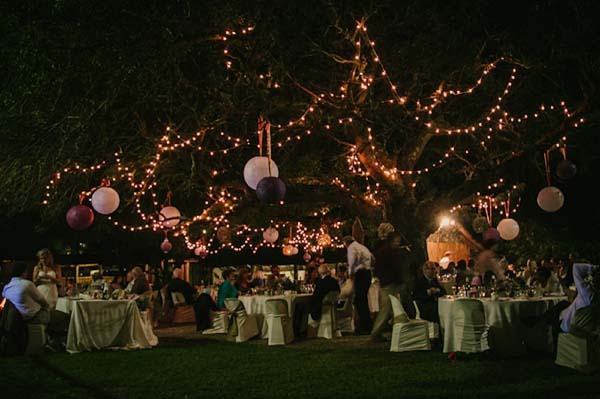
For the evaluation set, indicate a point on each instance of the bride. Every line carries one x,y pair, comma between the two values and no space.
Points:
44,276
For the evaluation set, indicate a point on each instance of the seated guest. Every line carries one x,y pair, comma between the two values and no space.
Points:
97,282
426,293
461,273
241,283
257,279
277,280
227,289
546,282
116,283
31,304
140,285
177,284
323,286
129,281
312,276
582,316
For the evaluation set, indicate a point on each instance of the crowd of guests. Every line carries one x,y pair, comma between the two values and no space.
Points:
393,265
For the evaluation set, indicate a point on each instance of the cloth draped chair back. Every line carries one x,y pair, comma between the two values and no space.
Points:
183,313
407,335
579,353
280,329
219,322
470,325
242,326
345,321
327,326
178,299
433,327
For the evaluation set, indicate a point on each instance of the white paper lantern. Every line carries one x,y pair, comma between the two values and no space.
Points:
550,199
105,200
169,216
256,169
508,229
270,235
295,251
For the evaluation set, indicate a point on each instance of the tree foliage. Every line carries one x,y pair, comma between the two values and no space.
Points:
89,79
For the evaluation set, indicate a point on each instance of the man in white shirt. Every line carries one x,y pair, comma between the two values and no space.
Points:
32,305
360,262
24,295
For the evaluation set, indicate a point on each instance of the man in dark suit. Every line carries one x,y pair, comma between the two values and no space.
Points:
426,293
324,285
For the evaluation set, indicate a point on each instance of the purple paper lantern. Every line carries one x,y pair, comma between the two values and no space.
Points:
80,217
490,237
270,190
566,169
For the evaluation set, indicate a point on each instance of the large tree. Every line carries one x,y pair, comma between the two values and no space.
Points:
385,111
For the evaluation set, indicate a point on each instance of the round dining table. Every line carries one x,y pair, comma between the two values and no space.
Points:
507,334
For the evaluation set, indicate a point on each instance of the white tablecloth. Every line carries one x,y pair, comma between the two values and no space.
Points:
97,324
255,304
507,334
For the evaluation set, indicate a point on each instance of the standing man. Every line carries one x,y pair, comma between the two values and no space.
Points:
393,271
360,261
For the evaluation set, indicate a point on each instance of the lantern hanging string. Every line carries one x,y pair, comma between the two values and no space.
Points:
563,151
547,165
507,206
81,198
268,129
488,211
261,125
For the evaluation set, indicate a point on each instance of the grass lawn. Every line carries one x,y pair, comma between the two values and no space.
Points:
186,365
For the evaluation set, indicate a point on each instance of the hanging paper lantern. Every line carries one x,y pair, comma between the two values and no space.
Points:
169,216
324,240
105,200
384,230
508,229
480,224
270,190
490,237
80,217
270,235
295,251
288,250
306,257
166,246
550,199
566,169
256,169
224,235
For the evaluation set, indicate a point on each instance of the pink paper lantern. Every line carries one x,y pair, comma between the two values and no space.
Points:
105,200
169,216
166,246
508,229
550,199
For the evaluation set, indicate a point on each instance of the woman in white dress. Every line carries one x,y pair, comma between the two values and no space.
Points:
44,276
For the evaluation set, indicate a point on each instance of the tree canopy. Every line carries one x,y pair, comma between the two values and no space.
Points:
383,110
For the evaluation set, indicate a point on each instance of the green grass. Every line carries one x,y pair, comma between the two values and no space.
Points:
350,367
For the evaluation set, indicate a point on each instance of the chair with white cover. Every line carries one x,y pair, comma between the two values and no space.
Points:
36,339
327,326
407,335
183,313
433,327
219,322
470,326
345,321
242,326
582,354
280,329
